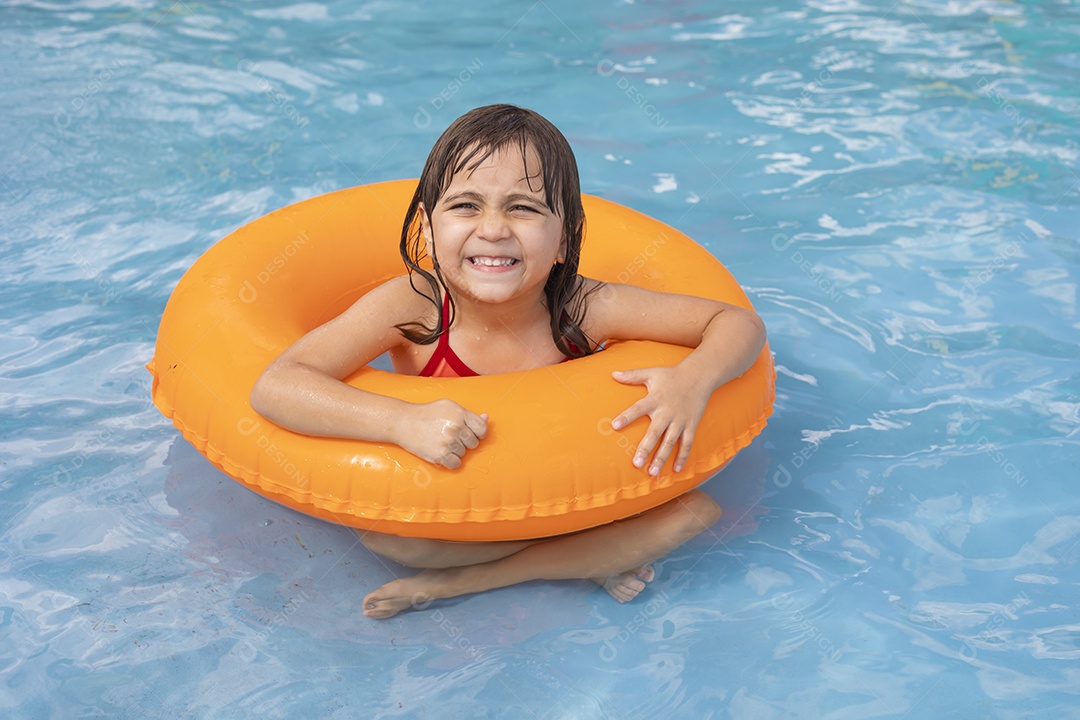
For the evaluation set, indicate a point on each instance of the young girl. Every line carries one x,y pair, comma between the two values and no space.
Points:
498,212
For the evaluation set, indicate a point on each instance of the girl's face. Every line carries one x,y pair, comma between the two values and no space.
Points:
495,238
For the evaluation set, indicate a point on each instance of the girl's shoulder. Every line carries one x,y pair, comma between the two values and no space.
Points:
586,291
588,285
413,292
591,298
590,292
395,302
612,309
600,296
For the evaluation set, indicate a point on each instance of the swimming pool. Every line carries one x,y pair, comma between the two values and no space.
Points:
894,183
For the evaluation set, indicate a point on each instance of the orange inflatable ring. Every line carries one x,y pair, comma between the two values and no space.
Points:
551,462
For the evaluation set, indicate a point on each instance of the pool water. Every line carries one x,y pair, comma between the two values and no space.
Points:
894,183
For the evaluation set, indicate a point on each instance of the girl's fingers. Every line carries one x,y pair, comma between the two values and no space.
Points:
468,439
670,419
645,447
670,438
474,431
478,424
684,449
630,414
631,377
468,436
667,439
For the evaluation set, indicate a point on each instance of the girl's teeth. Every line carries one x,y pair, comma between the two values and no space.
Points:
493,262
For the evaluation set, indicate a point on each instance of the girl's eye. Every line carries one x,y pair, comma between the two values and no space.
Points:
463,206
527,208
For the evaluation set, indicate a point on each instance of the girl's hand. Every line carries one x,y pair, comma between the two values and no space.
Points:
441,431
675,403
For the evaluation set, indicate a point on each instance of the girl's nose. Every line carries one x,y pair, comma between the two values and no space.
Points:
492,226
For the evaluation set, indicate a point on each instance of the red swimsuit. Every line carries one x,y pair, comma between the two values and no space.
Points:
445,362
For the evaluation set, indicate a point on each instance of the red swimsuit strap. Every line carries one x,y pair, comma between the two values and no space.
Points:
443,351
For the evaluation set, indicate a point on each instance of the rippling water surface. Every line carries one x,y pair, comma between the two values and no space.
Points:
894,183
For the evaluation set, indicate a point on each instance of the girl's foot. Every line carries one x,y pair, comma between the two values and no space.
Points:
625,586
415,592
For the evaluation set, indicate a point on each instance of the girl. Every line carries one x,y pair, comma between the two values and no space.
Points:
498,212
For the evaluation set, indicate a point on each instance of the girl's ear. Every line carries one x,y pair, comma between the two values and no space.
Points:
425,228
561,256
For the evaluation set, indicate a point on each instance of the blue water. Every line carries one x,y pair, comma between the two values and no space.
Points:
895,184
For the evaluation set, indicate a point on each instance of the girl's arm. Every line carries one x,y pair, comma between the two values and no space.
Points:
726,341
302,390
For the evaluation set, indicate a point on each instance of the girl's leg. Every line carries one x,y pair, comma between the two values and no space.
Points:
435,554
598,553
424,553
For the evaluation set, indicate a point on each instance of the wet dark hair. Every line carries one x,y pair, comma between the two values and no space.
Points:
465,145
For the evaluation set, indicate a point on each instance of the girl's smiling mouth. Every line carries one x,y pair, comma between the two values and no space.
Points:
485,261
